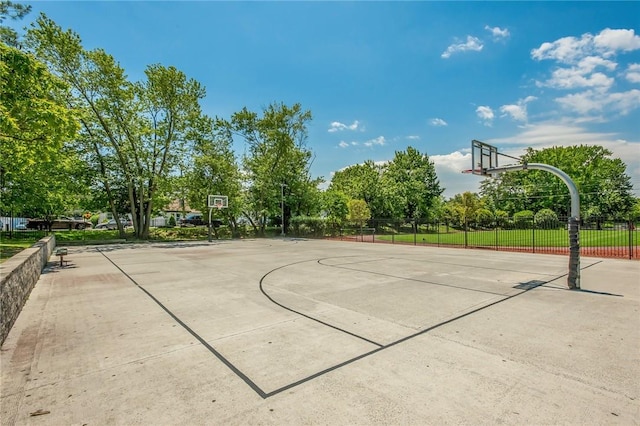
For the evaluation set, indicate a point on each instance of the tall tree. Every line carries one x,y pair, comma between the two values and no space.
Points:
277,155
213,170
336,207
410,183
604,186
37,168
131,131
362,182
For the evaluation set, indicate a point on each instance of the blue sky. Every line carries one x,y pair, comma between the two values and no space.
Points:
381,76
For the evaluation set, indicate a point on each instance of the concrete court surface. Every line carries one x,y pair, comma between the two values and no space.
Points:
290,331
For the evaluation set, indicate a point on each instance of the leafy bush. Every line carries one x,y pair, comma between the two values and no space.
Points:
523,219
547,218
307,225
502,218
94,219
484,218
172,221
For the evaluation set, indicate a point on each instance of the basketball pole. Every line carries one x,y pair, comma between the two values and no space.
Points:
209,224
282,185
573,278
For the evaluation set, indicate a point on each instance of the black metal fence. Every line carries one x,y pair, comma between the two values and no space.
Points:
600,237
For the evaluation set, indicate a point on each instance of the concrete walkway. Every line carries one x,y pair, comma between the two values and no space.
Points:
323,332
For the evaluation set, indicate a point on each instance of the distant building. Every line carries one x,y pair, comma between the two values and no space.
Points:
178,209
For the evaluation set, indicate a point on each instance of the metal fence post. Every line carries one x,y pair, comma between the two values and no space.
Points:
630,231
533,235
466,230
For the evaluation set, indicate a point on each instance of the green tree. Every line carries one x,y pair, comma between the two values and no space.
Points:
277,155
409,181
336,208
37,166
359,212
214,171
132,133
635,210
463,208
13,11
362,182
604,186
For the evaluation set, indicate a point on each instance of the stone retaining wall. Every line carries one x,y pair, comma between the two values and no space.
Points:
18,276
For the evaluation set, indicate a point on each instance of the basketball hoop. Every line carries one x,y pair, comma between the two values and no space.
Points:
218,202
484,160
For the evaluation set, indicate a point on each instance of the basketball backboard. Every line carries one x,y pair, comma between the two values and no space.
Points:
218,201
484,157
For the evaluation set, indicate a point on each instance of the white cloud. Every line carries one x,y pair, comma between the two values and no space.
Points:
566,49
517,111
472,44
413,137
587,66
582,74
380,140
633,73
596,101
343,144
549,134
497,32
337,126
449,169
607,43
485,114
570,78
438,122
456,161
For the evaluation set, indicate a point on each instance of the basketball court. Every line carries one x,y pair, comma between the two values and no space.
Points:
288,331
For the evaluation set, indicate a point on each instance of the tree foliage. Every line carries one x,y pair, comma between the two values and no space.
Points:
361,182
213,170
604,186
336,208
39,170
131,131
359,212
276,163
463,208
12,11
410,185
404,188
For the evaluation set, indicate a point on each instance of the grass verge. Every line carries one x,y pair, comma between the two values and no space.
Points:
521,238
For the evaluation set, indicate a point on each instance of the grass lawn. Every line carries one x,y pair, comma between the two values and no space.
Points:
10,248
521,238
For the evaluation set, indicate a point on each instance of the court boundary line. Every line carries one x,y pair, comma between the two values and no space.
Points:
404,278
259,391
204,343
